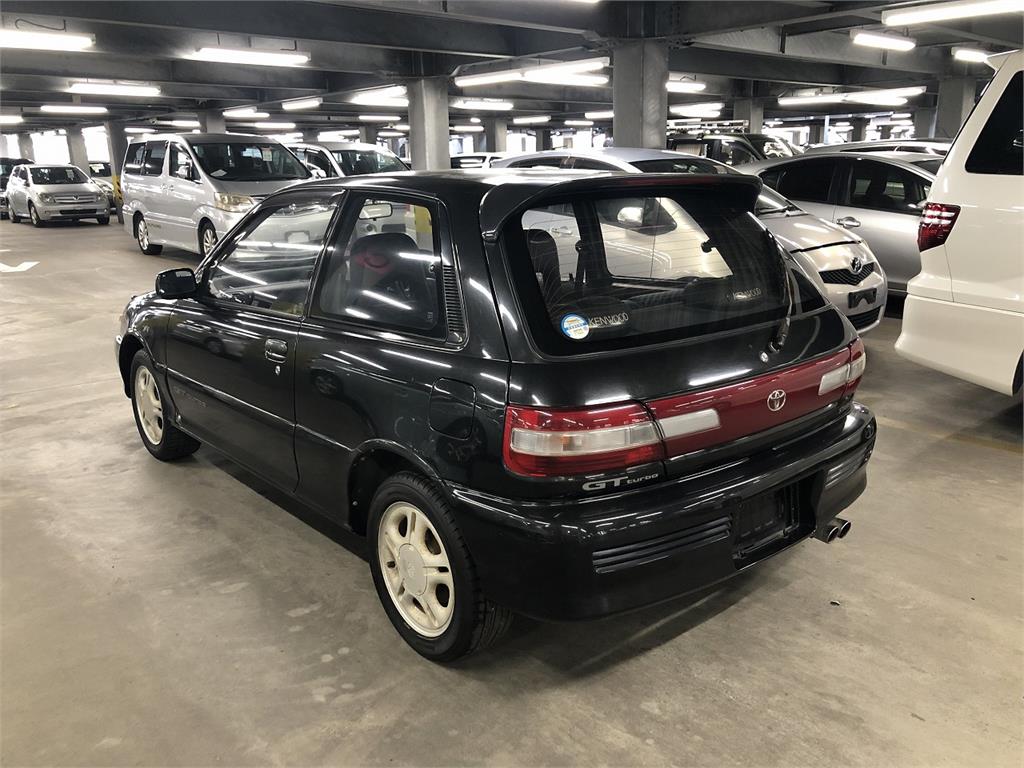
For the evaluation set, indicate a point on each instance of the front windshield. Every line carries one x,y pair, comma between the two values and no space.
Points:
356,162
99,169
249,161
770,201
57,174
771,146
681,165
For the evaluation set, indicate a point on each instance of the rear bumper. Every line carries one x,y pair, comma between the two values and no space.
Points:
588,558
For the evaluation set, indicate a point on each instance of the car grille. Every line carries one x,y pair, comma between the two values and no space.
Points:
845,276
73,199
74,211
650,550
864,319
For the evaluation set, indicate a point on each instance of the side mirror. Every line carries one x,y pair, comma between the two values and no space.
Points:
631,216
176,284
185,171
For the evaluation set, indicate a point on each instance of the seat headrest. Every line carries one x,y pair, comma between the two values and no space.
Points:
379,252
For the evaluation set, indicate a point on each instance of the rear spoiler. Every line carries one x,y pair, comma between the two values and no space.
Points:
506,201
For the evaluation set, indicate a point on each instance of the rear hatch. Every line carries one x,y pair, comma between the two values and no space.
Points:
662,327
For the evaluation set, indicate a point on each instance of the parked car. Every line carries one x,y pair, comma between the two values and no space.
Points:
479,159
880,194
920,146
348,158
7,165
509,433
187,191
44,193
733,148
102,176
837,260
964,314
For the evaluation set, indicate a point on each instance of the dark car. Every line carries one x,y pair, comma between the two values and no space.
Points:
7,164
513,432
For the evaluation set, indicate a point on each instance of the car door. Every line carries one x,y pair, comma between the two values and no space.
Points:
182,192
882,203
231,350
16,191
806,182
150,190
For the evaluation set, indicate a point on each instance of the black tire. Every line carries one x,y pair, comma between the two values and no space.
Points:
206,231
33,216
103,220
15,218
173,444
476,622
142,238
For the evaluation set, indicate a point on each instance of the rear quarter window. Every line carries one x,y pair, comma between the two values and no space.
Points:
999,149
133,158
614,272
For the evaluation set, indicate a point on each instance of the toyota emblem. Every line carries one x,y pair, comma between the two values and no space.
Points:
856,264
776,400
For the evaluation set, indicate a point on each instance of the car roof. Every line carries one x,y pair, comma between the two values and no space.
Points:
205,138
336,145
501,192
624,154
901,159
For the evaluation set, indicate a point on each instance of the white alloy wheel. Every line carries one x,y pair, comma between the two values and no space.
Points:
209,240
149,405
143,232
33,215
416,569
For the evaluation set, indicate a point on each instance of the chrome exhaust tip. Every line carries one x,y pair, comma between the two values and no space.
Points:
844,526
828,534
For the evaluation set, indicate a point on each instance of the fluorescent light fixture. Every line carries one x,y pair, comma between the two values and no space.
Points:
474,119
380,118
815,98
685,86
559,73
467,129
44,41
11,119
392,96
390,134
531,120
964,9
900,115
298,104
114,89
185,123
508,76
139,129
565,78
970,54
334,135
251,56
245,112
493,105
286,136
72,109
579,122
888,97
876,40
607,114
275,126
704,109
402,127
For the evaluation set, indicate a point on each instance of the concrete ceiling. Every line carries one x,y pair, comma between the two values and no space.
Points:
741,49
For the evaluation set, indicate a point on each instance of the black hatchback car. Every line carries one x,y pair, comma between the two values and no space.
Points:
514,425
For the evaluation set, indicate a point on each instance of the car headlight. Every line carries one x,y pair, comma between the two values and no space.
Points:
233,203
48,199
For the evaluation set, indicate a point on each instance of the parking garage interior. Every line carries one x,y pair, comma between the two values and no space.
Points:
191,613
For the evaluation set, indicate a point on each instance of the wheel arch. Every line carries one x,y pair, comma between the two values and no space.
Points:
375,461
130,345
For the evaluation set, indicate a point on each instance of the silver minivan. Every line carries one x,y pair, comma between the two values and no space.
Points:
347,158
188,191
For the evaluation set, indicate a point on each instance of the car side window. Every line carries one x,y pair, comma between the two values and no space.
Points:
807,180
999,148
884,187
386,268
317,159
271,264
153,160
589,164
538,162
133,158
178,160
734,153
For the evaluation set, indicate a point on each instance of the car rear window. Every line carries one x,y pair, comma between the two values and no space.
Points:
613,272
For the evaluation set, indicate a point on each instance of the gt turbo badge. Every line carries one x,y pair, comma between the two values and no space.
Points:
575,327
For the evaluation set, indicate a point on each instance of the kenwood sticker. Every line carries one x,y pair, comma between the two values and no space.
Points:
609,321
575,327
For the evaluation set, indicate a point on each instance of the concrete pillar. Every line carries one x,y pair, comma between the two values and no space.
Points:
924,122
956,100
495,134
543,136
212,121
428,123
25,149
817,133
884,132
750,110
77,153
860,129
368,134
639,98
117,145
309,135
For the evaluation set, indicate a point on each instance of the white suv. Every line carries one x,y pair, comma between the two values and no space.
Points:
964,313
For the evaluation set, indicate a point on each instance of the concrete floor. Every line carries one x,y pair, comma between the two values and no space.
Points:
158,614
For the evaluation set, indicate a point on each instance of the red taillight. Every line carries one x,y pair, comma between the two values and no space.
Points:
858,362
936,223
542,442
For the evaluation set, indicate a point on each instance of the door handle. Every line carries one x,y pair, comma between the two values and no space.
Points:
561,231
848,221
276,350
